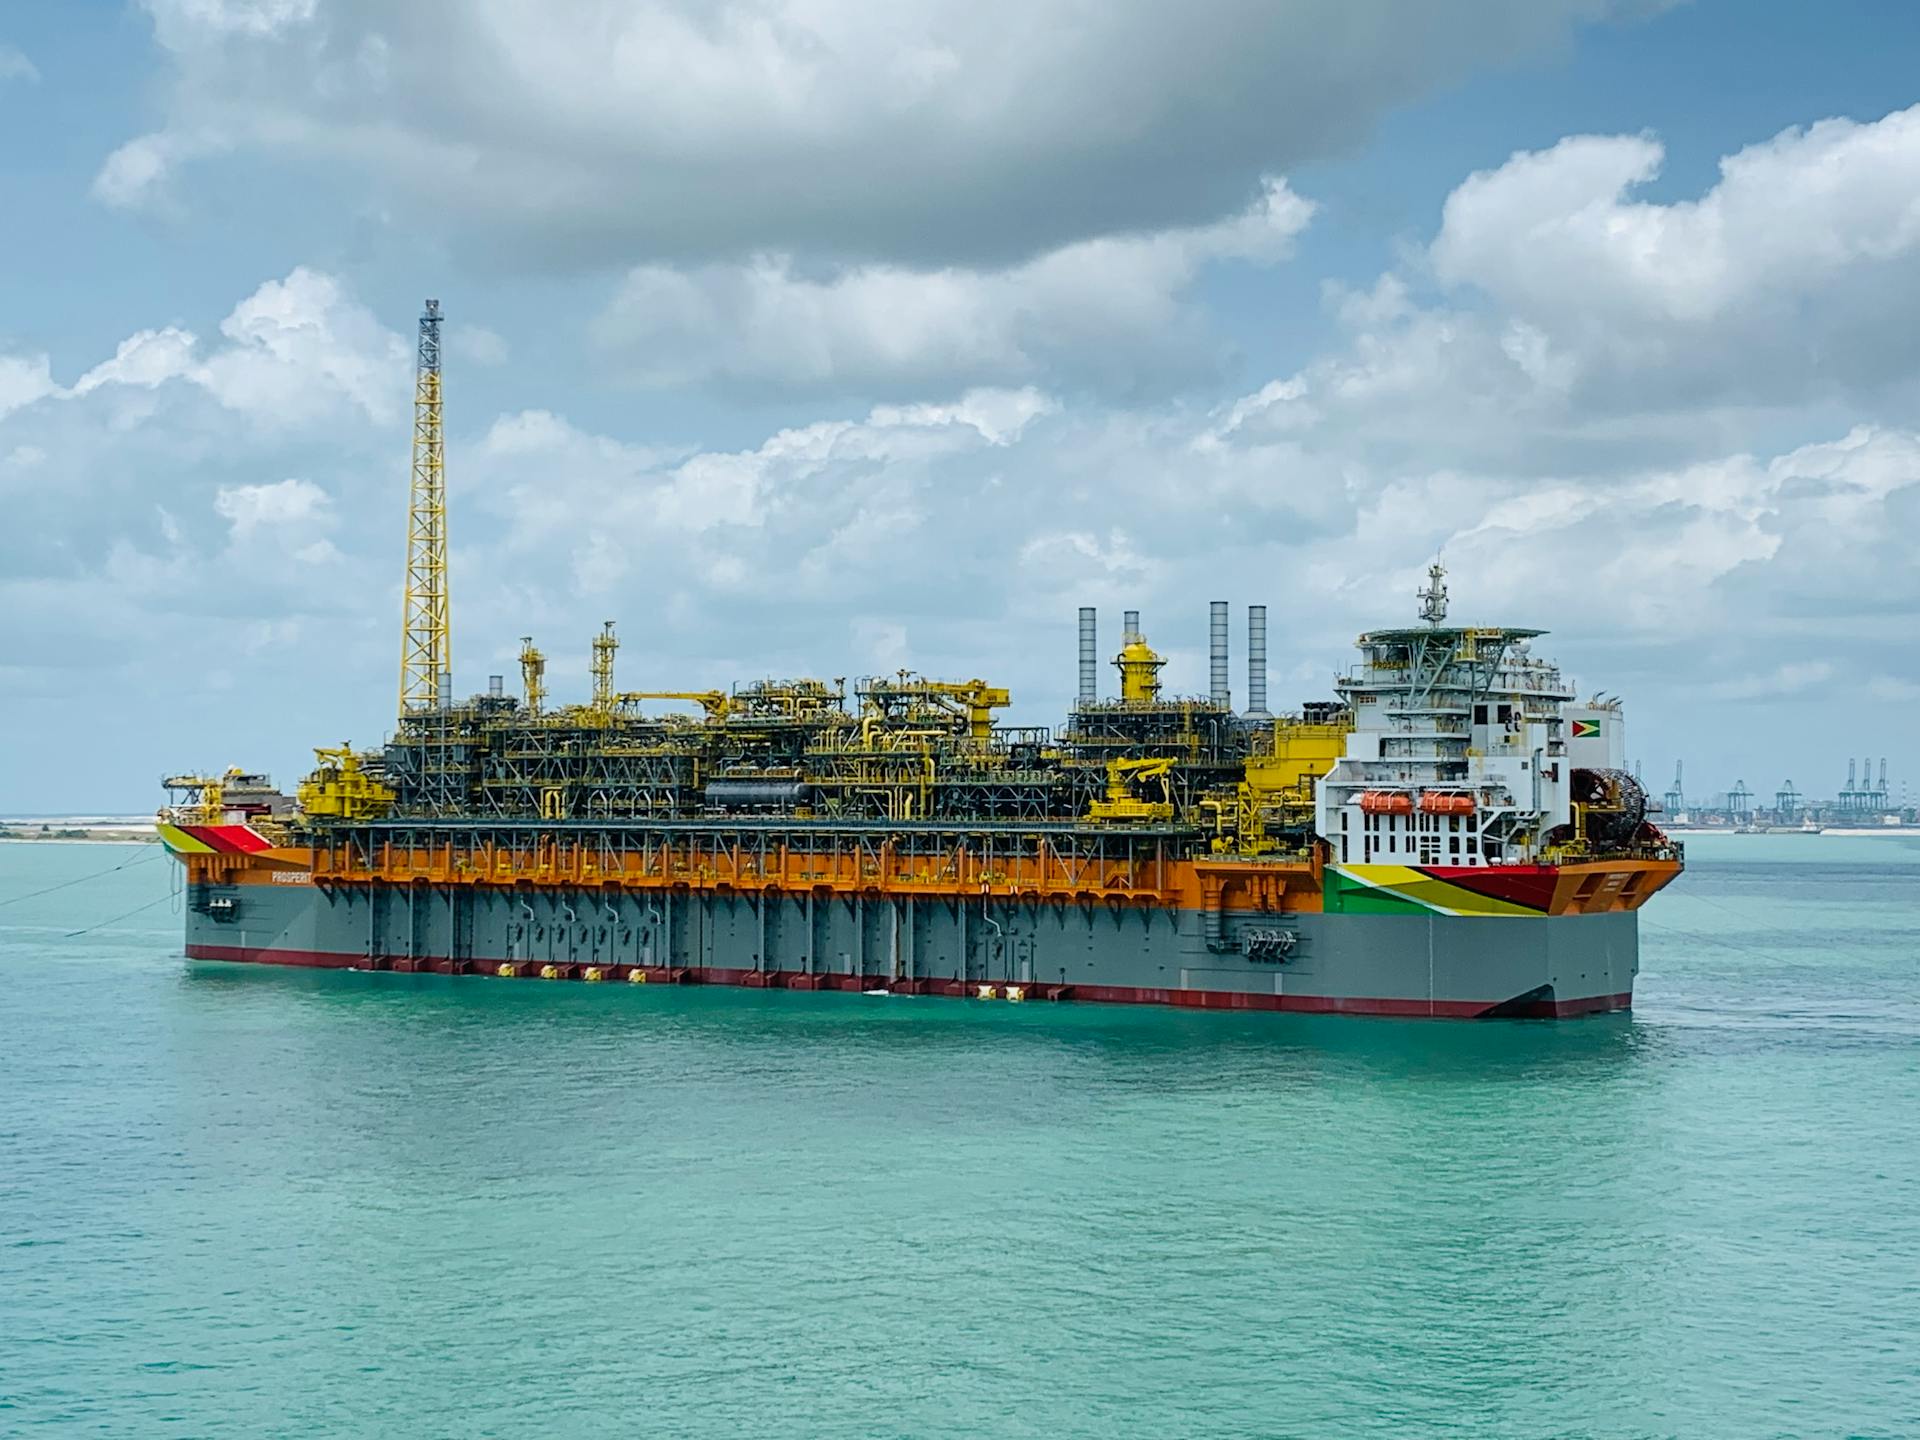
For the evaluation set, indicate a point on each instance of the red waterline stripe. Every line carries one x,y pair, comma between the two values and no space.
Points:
1102,994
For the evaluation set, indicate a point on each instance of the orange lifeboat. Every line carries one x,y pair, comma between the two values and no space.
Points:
1386,802
1436,802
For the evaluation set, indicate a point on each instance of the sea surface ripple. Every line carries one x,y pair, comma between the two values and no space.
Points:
241,1201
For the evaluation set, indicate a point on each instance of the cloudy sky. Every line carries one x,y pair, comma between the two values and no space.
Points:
820,337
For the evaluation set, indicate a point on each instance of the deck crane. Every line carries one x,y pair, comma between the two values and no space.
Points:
1123,803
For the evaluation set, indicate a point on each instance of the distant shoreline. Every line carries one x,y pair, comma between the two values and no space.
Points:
1846,833
80,835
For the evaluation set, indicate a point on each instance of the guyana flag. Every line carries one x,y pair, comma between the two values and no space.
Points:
1586,729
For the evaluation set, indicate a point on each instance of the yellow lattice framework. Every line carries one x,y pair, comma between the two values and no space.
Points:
426,646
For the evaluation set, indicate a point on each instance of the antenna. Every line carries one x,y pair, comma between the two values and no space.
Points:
426,643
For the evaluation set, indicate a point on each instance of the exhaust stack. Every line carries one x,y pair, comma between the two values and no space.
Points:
1257,663
1089,661
1217,653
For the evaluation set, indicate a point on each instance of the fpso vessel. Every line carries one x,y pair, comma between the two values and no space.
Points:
1451,834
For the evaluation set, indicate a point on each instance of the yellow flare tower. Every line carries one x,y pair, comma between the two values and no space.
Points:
533,674
426,646
604,644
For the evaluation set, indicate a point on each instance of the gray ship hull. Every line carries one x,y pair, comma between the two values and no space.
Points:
1439,965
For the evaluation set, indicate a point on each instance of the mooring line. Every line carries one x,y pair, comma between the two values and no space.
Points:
151,851
117,918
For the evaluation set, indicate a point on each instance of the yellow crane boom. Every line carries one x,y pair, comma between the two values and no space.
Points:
1122,803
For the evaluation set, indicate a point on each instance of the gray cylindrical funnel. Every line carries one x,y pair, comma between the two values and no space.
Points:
1130,626
1257,662
1217,653
1089,663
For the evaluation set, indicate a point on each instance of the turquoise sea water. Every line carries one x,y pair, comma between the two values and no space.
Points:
247,1201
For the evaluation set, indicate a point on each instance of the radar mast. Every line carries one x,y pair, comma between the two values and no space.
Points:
1433,599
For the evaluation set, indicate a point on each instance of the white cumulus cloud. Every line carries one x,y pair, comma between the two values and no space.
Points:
24,380
297,345
14,65
477,345
1786,216
1108,307
1797,266
146,358
252,508
1705,515
295,351
923,132
139,175
180,23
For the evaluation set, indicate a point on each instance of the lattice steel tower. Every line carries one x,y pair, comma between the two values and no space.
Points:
426,647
